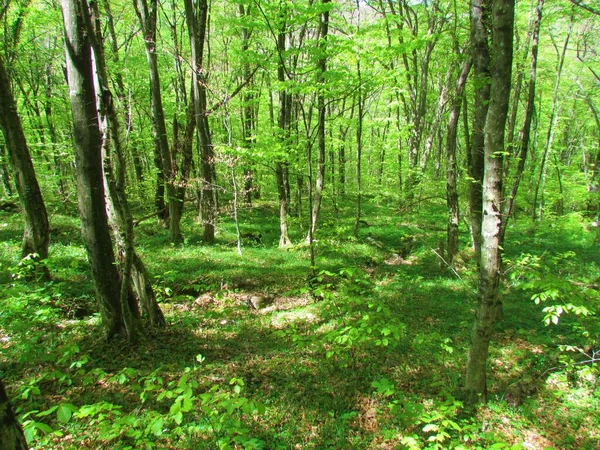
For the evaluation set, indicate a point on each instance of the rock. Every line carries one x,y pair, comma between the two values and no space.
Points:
259,301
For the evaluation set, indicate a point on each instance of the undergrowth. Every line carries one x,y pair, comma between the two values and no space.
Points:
368,352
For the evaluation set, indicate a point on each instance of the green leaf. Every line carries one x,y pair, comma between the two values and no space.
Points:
430,427
47,412
65,412
157,427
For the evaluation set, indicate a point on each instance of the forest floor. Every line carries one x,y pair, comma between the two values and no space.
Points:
369,354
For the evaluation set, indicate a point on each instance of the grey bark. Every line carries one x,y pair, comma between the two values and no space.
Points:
118,210
509,201
36,234
90,186
196,17
481,72
489,304
147,15
283,122
321,69
452,169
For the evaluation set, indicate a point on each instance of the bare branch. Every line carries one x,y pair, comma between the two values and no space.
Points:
586,7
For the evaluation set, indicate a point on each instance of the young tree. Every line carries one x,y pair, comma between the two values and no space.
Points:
36,234
481,73
489,304
11,433
148,16
283,122
321,69
452,170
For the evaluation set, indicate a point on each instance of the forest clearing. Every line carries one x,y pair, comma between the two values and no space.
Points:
308,224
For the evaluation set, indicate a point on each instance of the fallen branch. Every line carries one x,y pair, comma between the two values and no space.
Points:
149,216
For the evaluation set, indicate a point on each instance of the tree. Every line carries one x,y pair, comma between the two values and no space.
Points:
489,304
197,17
283,122
452,170
481,73
36,234
321,69
119,214
148,16
117,317
11,433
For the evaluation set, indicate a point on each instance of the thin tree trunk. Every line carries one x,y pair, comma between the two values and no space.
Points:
539,186
359,148
197,17
489,304
481,72
321,68
36,234
452,170
249,113
162,156
283,121
4,172
509,201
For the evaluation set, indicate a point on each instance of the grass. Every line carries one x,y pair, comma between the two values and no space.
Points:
377,362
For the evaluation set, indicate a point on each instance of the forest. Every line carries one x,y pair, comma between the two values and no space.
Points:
299,224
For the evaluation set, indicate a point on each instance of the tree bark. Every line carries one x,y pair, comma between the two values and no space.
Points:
283,122
509,201
321,69
11,433
539,186
196,17
118,210
489,304
147,15
36,234
452,170
90,186
481,72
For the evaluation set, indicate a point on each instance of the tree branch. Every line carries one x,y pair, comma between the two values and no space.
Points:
586,7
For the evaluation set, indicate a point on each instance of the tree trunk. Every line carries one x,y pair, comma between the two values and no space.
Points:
11,433
321,68
509,201
196,17
4,172
36,234
119,213
162,155
481,72
452,170
283,122
539,186
249,110
359,145
488,310
90,186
